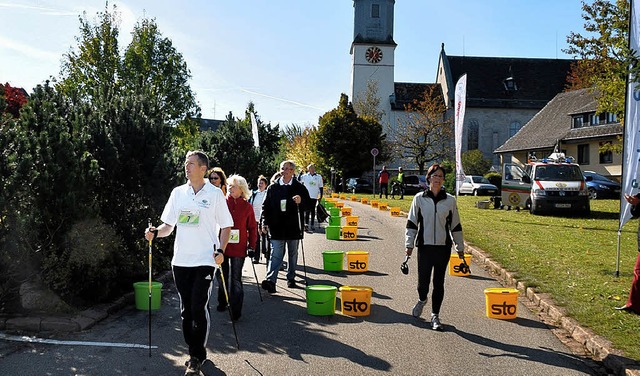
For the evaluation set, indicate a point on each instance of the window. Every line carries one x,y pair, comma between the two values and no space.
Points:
594,119
577,121
375,10
583,154
514,127
605,156
611,118
473,135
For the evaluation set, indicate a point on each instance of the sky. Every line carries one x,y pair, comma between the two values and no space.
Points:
289,57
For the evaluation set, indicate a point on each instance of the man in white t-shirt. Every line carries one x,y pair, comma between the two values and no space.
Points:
313,183
197,209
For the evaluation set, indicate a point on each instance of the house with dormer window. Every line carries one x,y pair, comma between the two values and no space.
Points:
569,124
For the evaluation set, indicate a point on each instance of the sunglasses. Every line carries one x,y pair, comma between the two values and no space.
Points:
214,178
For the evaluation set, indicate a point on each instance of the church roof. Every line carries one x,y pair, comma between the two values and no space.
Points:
537,81
406,93
554,121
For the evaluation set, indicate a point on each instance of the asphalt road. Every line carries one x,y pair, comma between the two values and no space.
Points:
278,337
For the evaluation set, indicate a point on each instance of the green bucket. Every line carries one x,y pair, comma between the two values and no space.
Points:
335,221
332,232
334,212
329,204
321,300
332,260
141,290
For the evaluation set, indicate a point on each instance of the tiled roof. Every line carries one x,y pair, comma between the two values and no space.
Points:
406,93
210,124
537,80
553,123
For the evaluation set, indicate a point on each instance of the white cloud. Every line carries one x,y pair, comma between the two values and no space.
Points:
27,50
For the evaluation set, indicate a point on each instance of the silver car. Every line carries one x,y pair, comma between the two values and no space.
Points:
478,186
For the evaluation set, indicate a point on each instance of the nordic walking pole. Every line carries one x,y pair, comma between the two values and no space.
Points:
150,288
256,275
304,264
226,296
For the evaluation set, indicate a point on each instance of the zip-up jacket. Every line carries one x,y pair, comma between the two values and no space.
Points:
284,224
434,220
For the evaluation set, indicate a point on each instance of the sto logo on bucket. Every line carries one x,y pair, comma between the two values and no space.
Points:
357,265
355,306
503,309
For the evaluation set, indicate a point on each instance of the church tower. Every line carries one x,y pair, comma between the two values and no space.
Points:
372,50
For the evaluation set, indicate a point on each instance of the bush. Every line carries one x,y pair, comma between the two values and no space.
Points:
86,270
495,179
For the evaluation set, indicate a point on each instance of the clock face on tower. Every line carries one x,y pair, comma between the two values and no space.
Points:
373,55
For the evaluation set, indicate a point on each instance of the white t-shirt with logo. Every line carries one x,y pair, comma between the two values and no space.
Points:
197,218
313,183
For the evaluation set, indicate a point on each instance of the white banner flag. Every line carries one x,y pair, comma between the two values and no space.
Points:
254,130
460,105
630,176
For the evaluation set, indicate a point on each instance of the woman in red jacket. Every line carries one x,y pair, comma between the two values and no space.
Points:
242,239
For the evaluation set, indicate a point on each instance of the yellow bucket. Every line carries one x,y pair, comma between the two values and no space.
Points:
349,233
395,211
456,267
352,220
356,300
340,205
358,261
335,195
343,197
383,206
364,200
502,303
354,198
374,203
346,211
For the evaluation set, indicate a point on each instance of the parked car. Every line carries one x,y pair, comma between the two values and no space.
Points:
414,184
359,185
478,186
601,186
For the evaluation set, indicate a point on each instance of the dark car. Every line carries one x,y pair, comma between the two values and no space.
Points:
359,185
600,186
414,184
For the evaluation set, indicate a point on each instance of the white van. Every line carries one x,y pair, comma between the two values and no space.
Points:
549,185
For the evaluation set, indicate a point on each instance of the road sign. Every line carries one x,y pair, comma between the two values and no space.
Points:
374,152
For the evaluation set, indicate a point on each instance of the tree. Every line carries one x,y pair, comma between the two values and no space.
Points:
424,135
604,54
344,140
474,162
299,145
12,99
367,105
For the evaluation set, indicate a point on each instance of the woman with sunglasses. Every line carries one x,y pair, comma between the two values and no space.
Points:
433,225
218,178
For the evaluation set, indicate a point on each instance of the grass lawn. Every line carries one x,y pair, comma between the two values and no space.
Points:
571,258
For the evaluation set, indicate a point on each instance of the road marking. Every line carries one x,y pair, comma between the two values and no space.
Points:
73,343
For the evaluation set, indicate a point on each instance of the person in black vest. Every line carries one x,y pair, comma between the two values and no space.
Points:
282,216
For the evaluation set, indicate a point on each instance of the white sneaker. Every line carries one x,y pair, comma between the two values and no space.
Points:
435,322
417,309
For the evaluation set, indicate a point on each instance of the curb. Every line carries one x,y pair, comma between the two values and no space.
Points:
598,347
71,323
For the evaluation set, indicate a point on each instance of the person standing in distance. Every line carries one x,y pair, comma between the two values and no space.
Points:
433,226
633,303
196,209
383,179
282,215
313,182
256,200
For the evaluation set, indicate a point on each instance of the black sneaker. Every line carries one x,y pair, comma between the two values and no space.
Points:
292,284
269,286
193,366
221,307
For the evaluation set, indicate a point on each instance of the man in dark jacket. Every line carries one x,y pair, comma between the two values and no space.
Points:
282,216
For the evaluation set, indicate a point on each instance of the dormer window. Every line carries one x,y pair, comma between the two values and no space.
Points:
510,84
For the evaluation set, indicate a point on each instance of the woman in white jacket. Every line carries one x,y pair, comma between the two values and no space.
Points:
433,226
